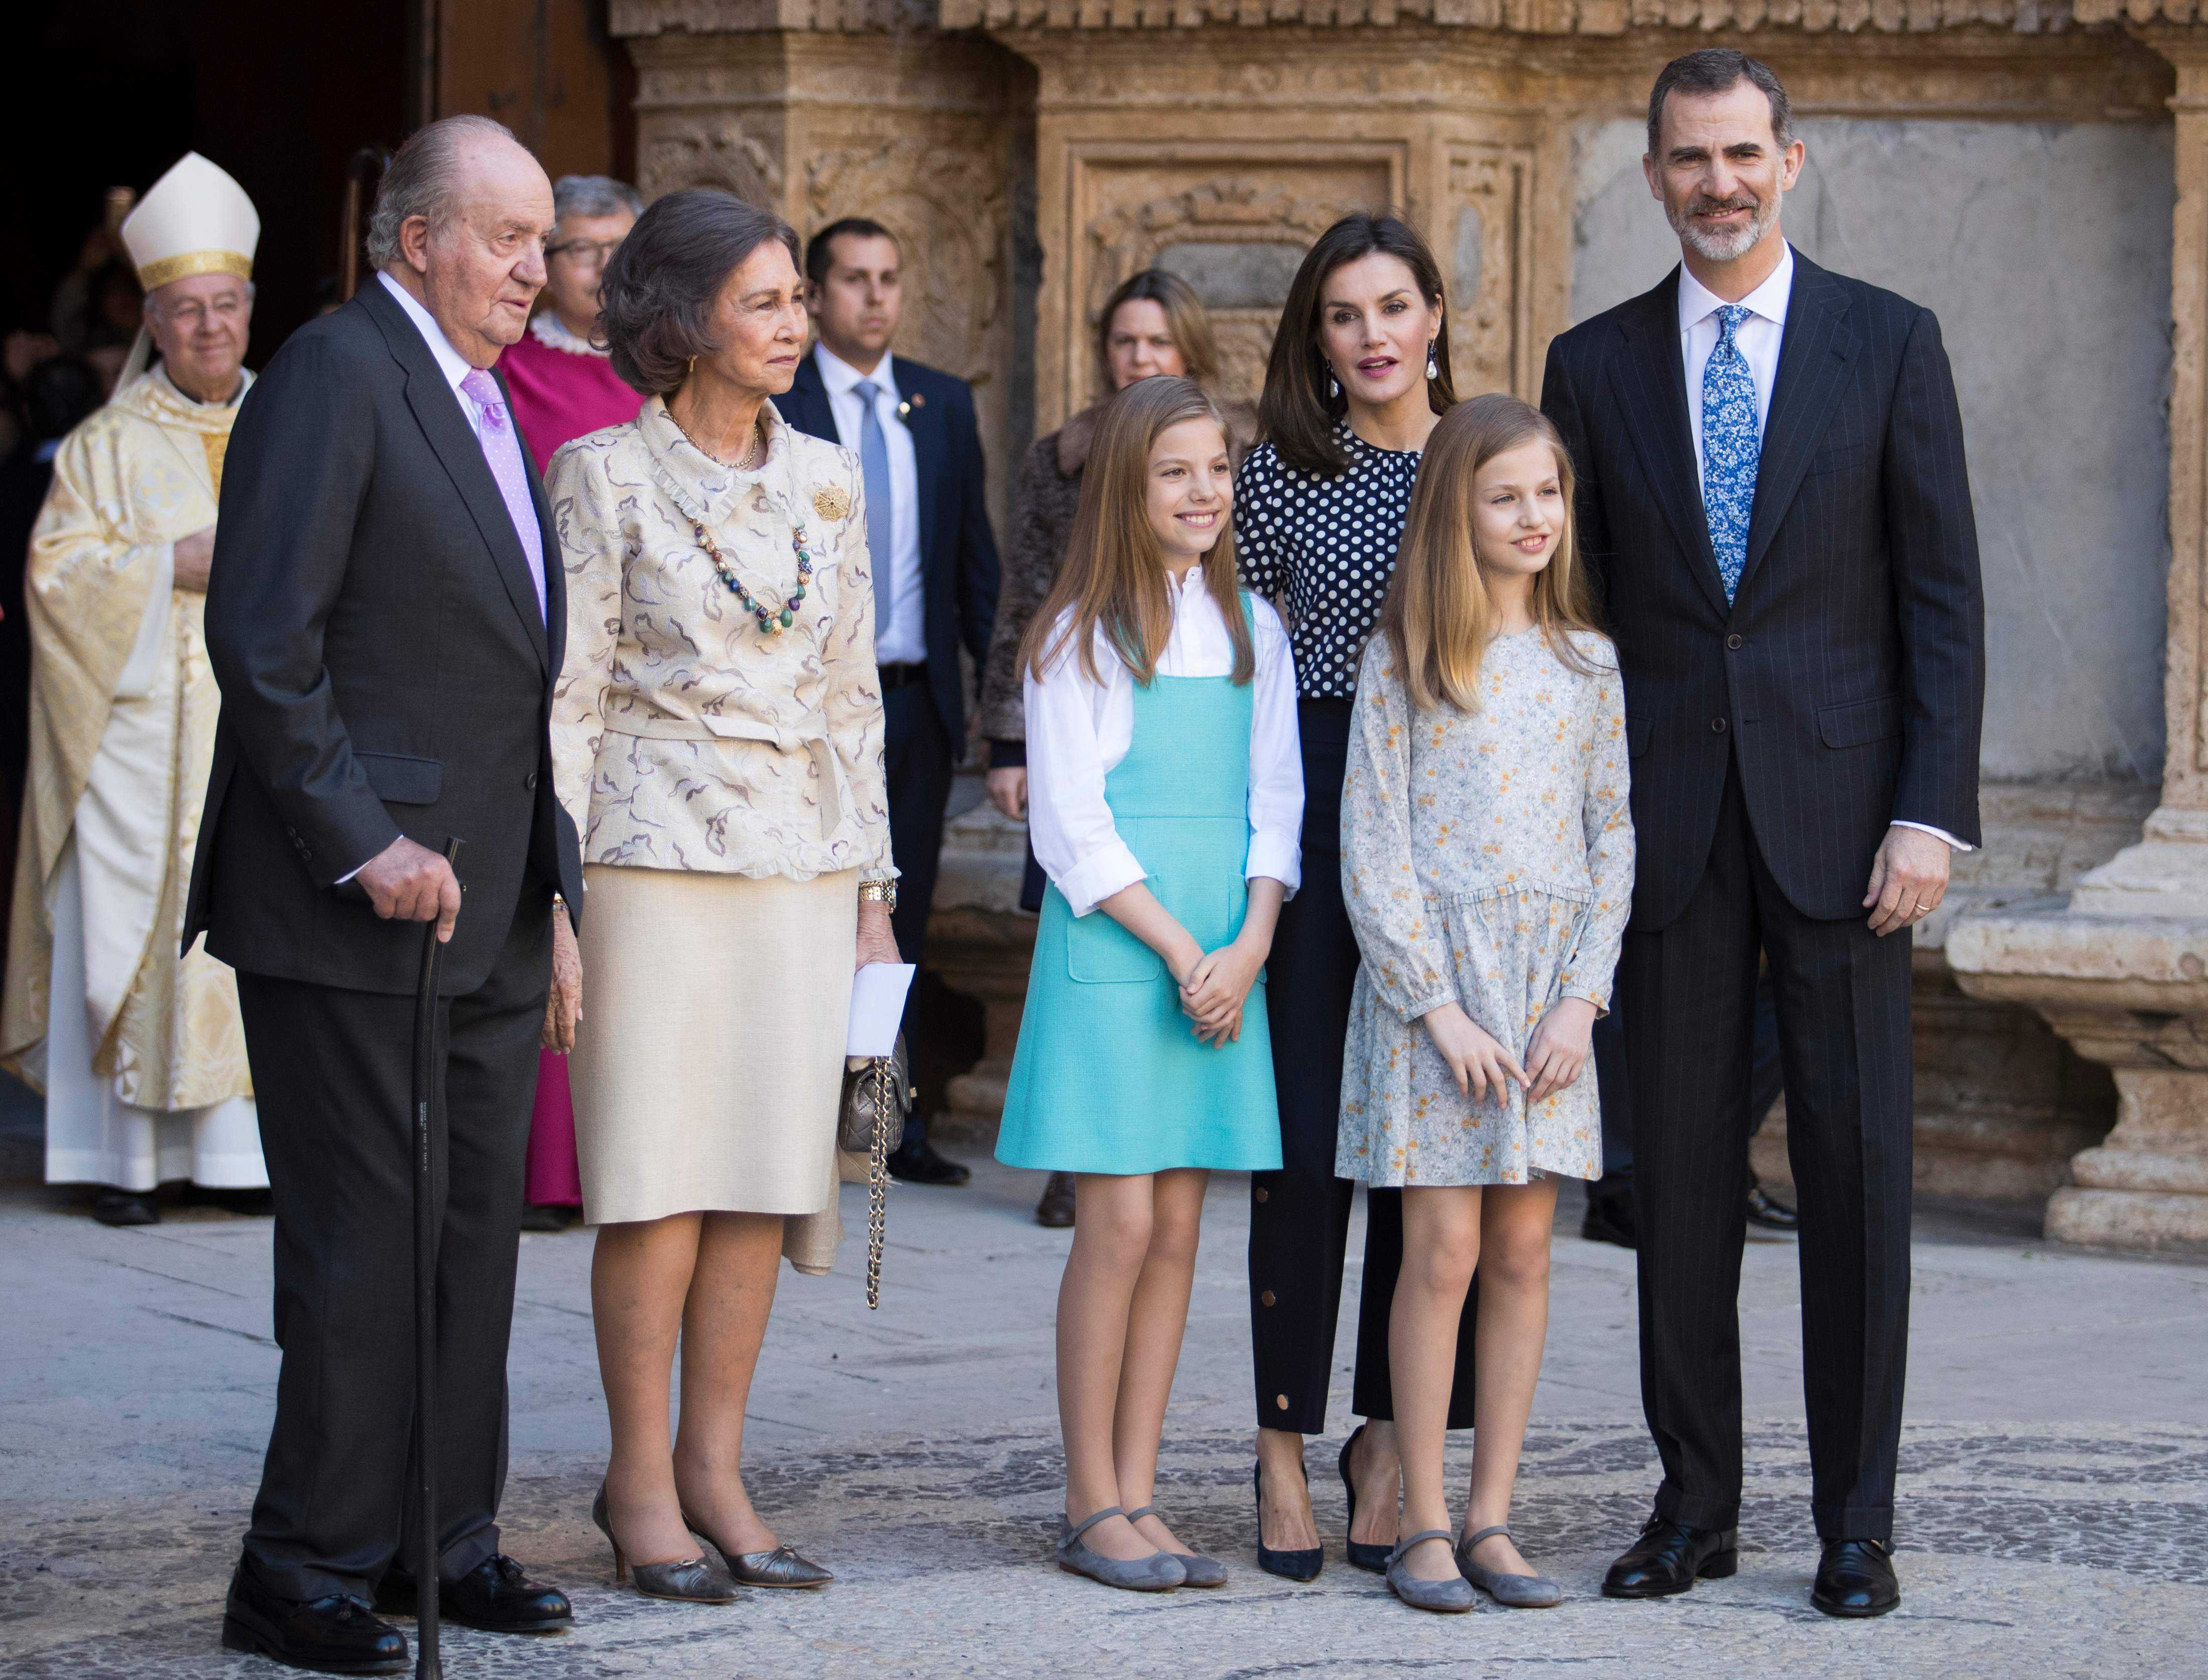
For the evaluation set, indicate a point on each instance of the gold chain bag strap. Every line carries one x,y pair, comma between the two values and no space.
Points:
876,1100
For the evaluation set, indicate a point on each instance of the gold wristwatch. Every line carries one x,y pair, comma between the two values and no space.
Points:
882,892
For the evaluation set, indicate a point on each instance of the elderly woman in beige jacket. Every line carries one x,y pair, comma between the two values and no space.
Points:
717,737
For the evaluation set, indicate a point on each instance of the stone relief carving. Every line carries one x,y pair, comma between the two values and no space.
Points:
944,194
1224,212
1487,243
706,151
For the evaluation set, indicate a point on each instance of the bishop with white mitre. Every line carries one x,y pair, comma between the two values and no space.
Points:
142,1057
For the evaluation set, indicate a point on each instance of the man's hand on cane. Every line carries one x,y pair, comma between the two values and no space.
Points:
409,883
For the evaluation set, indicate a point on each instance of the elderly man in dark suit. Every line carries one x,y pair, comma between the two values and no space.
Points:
386,619
1774,494
934,557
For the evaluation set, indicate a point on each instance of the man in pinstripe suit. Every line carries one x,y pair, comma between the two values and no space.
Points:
1772,494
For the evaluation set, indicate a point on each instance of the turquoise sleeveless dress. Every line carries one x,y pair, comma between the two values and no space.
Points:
1109,1076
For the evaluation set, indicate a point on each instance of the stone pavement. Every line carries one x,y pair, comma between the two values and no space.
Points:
2055,1488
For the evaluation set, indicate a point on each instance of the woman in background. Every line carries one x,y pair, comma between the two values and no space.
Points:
1152,324
563,386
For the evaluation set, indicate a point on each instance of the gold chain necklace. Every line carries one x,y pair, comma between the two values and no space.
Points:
754,456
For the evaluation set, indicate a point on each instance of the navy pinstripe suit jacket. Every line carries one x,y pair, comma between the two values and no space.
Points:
1848,673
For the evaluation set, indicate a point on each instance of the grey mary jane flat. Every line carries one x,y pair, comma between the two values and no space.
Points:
1515,1591
1160,1572
1199,1570
1451,1597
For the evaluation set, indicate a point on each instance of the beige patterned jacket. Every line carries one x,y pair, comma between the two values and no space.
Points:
682,738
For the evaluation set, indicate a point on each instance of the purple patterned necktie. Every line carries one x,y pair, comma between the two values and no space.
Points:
502,450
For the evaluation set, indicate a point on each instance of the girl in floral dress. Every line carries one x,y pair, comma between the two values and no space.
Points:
1487,866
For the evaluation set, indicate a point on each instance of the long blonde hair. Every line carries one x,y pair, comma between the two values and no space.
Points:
1437,616
1114,574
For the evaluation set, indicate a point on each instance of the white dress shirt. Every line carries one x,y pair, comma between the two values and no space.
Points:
454,366
1079,731
903,639
1759,339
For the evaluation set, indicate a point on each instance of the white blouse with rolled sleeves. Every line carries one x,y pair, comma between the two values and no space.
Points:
1079,730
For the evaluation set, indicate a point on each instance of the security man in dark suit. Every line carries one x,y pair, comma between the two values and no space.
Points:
386,618
934,557
1772,494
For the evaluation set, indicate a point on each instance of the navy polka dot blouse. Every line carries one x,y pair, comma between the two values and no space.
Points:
1324,548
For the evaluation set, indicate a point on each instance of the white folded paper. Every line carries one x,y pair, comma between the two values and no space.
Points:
877,1007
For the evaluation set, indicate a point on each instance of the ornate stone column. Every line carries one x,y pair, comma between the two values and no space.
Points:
2120,968
822,109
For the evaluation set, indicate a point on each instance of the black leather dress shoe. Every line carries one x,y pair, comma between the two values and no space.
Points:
1856,1578
1767,1213
1610,1218
1055,1211
127,1207
494,1596
1670,1557
337,1635
917,1162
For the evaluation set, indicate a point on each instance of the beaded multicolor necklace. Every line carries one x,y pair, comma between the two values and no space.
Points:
772,621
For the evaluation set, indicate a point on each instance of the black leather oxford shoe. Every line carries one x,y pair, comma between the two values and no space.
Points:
1609,1216
1670,1557
1856,1578
494,1596
918,1163
1054,1212
337,1634
1767,1213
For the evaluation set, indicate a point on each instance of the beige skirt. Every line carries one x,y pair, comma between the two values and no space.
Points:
709,1061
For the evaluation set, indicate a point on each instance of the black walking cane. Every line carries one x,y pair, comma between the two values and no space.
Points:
426,1587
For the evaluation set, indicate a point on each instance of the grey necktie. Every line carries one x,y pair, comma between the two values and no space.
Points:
881,512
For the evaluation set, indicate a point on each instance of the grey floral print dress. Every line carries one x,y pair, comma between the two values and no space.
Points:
1486,859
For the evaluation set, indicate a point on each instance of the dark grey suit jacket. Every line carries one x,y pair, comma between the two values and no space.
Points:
384,667
1847,676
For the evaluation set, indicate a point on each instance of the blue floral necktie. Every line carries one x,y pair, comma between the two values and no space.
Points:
1730,447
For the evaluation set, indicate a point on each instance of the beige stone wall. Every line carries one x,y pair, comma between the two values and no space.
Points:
1040,144
1181,149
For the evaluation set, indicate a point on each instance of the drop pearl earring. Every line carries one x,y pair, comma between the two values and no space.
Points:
1333,386
1433,367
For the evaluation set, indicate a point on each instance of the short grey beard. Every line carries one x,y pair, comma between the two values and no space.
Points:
1727,247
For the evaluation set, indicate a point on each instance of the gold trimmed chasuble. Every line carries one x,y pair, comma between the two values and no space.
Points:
122,714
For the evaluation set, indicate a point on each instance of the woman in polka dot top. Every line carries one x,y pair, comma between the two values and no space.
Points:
1358,374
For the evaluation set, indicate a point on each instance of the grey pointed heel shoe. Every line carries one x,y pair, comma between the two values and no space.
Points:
779,1566
1452,1597
1514,1592
1202,1571
690,1579
1160,1572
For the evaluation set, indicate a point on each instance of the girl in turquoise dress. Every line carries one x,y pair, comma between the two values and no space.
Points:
1166,801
